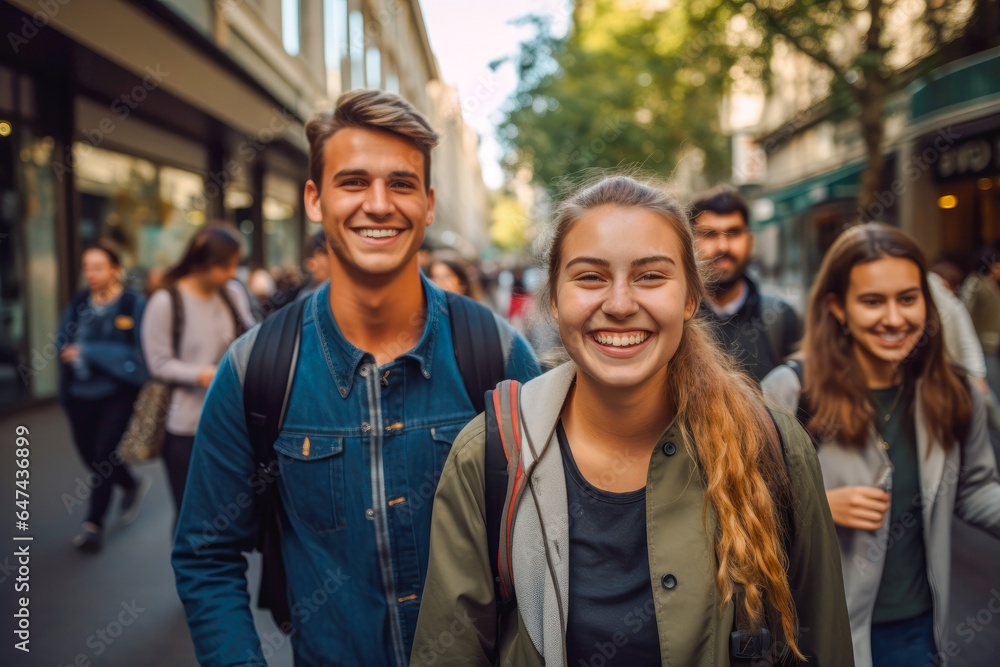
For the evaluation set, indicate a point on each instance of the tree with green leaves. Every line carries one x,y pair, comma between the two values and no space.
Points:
626,86
872,49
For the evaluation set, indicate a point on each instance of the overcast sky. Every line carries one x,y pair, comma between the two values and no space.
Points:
466,36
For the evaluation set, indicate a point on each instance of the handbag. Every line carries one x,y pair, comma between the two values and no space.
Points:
147,427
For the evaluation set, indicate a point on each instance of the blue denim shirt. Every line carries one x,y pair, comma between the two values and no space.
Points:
360,453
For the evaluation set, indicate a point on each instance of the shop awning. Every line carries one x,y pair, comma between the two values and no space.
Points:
840,183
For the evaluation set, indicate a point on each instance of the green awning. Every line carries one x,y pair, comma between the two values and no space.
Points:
841,183
956,84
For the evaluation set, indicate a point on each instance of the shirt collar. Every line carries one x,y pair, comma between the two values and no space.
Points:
734,306
344,358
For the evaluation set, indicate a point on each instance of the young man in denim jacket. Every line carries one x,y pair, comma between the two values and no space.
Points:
376,401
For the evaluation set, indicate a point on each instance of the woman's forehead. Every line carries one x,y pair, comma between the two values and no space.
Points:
614,232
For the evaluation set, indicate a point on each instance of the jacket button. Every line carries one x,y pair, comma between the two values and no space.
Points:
364,371
669,582
669,449
370,513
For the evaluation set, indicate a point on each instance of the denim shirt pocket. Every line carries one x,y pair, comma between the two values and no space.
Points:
443,437
312,472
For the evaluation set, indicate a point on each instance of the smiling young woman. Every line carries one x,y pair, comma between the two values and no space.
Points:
658,510
891,415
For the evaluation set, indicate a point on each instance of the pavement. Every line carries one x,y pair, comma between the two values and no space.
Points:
119,608
116,608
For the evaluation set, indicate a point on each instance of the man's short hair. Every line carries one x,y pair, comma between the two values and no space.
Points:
370,110
721,200
316,244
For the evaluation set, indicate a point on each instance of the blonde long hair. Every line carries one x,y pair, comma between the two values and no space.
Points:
724,425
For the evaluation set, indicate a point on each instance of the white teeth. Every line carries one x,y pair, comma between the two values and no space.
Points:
892,338
619,340
377,233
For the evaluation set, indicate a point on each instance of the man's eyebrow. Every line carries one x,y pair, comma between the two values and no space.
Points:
364,172
350,172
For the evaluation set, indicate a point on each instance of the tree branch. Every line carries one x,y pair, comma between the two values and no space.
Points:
818,55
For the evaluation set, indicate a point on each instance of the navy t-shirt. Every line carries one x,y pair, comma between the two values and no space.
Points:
612,619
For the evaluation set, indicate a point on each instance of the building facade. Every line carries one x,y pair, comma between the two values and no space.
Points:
803,169
141,120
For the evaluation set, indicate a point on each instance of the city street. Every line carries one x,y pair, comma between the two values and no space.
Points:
120,609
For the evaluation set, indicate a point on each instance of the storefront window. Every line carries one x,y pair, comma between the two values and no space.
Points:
29,314
150,211
281,228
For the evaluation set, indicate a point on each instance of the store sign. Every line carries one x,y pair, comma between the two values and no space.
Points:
971,157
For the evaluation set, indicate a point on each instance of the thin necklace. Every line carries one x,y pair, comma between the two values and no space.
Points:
888,415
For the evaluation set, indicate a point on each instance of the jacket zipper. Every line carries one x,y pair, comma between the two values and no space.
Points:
383,539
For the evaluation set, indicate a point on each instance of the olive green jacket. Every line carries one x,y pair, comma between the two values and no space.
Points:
458,618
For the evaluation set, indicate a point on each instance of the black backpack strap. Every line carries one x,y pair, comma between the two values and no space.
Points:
268,378
266,386
176,318
238,326
477,347
496,492
503,483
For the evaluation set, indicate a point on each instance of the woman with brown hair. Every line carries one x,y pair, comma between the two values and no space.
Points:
658,504
901,437
186,329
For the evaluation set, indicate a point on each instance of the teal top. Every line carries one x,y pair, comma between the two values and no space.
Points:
904,592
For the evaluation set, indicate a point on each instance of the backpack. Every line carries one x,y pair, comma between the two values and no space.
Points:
268,383
504,480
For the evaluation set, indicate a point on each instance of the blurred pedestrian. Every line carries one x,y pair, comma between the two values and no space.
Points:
376,401
950,274
154,280
449,275
981,294
901,438
759,330
203,313
317,265
959,336
261,284
654,484
102,371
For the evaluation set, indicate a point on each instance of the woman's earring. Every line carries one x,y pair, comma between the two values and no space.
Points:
846,329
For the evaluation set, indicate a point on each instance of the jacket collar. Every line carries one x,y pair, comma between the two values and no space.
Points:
541,405
343,358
